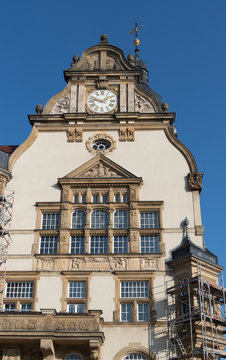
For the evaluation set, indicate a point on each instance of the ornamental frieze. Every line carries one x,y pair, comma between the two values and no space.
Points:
91,263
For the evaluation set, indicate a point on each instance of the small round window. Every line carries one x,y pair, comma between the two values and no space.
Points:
100,145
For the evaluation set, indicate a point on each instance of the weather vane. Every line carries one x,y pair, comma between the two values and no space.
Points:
135,30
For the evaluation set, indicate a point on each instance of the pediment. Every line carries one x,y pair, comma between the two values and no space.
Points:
100,167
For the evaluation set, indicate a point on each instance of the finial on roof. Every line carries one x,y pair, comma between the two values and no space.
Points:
185,228
104,38
136,41
39,109
75,59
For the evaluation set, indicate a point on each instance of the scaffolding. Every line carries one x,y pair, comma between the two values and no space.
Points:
196,318
6,207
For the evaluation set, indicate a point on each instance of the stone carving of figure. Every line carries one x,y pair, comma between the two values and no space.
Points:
77,263
62,106
118,263
142,105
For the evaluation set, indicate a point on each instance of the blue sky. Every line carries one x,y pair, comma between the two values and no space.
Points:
183,43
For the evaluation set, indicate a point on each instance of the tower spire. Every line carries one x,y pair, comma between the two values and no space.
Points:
136,41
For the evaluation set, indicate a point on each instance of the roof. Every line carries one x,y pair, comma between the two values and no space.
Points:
8,149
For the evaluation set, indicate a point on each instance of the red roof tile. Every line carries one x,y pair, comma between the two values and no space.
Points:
8,149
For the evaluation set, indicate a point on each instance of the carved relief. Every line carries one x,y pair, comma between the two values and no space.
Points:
75,135
73,325
133,193
133,219
62,106
113,64
46,264
93,63
149,263
118,263
126,134
65,218
78,263
94,354
195,181
100,171
142,105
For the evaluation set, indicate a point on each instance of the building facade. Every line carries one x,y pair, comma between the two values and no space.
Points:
100,240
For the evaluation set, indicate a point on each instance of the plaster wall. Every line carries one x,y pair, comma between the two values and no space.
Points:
49,292
102,293
20,264
21,244
151,156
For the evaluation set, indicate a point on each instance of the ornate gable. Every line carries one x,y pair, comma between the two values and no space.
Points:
100,167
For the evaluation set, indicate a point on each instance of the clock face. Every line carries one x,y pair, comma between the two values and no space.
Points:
102,101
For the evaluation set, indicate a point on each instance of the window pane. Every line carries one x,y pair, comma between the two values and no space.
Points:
77,289
99,219
77,245
117,198
99,244
48,244
124,198
10,307
95,199
149,220
134,357
50,221
105,199
78,219
75,199
120,244
143,312
149,244
120,219
26,307
76,308
127,312
134,289
73,357
83,199
19,290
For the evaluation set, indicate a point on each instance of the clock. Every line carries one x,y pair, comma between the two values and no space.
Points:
102,101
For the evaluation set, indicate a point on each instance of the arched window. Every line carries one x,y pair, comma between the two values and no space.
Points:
135,357
73,356
78,219
120,219
99,219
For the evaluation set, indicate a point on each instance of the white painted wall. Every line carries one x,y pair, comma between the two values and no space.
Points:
102,293
49,292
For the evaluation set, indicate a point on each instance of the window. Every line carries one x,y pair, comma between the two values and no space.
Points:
120,244
134,289
48,244
76,308
99,244
126,312
75,199
78,219
117,198
73,357
83,199
124,198
99,219
135,357
149,220
120,219
19,290
77,289
50,221
95,199
26,307
143,312
77,245
149,244
10,307
105,199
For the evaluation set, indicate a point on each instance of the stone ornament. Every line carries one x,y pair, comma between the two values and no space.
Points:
195,181
100,136
75,135
62,106
100,171
142,105
126,134
149,263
